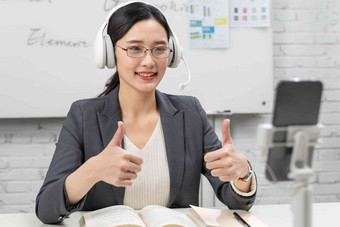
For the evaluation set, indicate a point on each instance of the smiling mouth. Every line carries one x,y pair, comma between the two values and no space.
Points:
146,74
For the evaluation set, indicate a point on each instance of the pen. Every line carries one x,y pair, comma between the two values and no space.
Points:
240,219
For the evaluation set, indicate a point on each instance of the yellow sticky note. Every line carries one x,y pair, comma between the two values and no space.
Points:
220,21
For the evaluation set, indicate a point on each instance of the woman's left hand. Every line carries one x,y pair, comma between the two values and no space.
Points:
227,163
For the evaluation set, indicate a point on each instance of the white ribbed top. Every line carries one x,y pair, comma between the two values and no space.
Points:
152,185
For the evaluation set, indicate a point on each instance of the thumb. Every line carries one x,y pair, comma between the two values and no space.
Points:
226,137
118,136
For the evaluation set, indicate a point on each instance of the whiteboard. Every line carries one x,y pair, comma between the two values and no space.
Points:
46,60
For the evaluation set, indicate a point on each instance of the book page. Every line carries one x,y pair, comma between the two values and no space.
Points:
158,216
225,217
113,216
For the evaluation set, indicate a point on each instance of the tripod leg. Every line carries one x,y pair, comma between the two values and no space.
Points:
302,207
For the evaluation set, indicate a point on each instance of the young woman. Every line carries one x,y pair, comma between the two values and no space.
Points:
136,146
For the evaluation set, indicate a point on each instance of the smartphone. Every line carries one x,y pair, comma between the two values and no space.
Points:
297,102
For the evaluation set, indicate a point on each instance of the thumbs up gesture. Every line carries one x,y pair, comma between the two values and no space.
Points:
227,163
115,165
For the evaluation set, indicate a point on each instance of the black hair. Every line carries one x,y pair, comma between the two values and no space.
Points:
120,23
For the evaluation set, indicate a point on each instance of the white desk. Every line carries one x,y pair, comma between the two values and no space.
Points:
324,214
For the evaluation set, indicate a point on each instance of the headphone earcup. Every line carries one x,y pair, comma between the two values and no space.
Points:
100,49
177,54
171,56
110,55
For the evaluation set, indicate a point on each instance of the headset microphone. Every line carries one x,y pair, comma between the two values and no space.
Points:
182,85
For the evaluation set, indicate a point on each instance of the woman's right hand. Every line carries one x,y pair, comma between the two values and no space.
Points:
114,165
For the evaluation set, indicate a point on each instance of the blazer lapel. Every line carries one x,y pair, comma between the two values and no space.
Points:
108,126
173,129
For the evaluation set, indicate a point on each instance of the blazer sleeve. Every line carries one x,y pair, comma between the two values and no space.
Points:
223,190
52,205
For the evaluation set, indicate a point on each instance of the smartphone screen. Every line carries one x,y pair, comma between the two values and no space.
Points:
297,102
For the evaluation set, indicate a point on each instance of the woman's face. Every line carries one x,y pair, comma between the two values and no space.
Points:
141,74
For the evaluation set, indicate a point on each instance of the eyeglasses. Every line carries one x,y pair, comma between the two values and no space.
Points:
140,52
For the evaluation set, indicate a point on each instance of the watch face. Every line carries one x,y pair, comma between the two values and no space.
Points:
246,178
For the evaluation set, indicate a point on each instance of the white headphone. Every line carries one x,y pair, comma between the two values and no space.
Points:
104,49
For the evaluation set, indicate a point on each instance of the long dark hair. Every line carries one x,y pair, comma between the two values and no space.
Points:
120,23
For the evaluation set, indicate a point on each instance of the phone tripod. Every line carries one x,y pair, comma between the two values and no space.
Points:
300,138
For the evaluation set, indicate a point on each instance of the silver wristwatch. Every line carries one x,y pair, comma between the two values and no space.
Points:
249,174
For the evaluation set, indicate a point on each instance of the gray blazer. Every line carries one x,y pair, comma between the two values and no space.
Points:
89,127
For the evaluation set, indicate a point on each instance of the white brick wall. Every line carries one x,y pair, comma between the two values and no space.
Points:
306,44
26,149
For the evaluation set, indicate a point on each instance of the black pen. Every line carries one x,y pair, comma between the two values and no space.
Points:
240,219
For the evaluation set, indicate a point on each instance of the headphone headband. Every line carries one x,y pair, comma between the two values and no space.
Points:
104,49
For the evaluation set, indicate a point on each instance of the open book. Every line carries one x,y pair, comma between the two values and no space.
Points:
149,216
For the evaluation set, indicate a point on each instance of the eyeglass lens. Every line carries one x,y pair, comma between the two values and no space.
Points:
157,52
